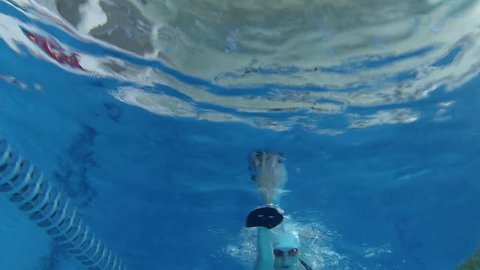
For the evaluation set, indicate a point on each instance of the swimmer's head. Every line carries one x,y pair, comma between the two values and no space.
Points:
286,249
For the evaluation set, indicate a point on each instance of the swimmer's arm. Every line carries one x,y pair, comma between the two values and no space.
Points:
265,259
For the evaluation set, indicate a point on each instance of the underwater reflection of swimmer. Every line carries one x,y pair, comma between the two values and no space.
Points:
278,244
55,50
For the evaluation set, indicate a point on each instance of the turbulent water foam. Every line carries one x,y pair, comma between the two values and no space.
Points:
305,60
315,241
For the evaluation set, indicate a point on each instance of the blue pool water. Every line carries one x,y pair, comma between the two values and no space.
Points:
154,151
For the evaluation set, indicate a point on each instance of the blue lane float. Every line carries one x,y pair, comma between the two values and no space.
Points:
49,208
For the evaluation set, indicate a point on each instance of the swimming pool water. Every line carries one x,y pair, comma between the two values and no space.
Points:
382,157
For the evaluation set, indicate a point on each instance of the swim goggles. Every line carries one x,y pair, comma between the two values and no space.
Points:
281,253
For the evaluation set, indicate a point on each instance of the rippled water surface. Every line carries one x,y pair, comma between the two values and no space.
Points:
144,113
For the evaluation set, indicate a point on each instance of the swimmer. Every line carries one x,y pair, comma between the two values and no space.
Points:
278,244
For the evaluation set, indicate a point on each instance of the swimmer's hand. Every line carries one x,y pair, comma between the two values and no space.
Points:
267,216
